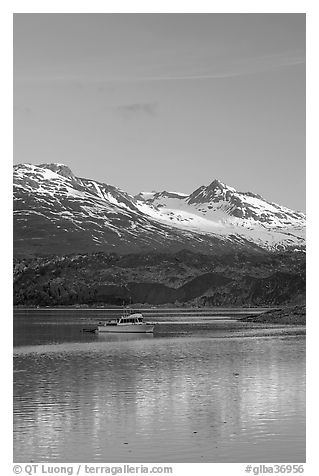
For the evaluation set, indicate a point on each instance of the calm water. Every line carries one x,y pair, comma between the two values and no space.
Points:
216,392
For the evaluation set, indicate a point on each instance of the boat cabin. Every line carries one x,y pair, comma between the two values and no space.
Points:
127,320
131,319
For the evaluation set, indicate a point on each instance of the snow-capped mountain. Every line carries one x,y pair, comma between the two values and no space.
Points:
57,212
220,209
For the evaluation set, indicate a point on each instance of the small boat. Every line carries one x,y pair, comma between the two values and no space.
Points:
126,323
88,329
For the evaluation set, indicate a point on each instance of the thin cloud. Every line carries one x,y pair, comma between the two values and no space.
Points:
138,109
183,69
228,68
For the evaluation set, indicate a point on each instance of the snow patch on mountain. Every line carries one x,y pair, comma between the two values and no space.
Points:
215,212
220,210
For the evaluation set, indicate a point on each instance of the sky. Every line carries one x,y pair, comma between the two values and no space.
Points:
165,101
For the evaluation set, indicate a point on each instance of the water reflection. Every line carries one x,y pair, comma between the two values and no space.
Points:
167,399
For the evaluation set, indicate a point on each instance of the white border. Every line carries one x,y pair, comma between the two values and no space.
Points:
172,6
157,6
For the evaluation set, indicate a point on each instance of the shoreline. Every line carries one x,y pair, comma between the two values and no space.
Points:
142,307
293,315
288,315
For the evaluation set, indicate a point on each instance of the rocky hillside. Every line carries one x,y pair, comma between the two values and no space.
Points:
266,279
287,315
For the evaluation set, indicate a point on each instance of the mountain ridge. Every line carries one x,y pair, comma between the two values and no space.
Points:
56,211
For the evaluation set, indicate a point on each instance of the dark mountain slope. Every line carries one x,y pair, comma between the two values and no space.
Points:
184,277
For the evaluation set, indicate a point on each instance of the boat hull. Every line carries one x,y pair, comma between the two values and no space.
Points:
135,329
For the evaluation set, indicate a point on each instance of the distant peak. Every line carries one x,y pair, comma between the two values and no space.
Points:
215,191
216,183
168,194
151,196
59,169
145,196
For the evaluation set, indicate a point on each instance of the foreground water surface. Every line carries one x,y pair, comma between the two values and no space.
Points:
218,391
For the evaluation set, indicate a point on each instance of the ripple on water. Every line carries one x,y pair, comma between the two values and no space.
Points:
160,399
